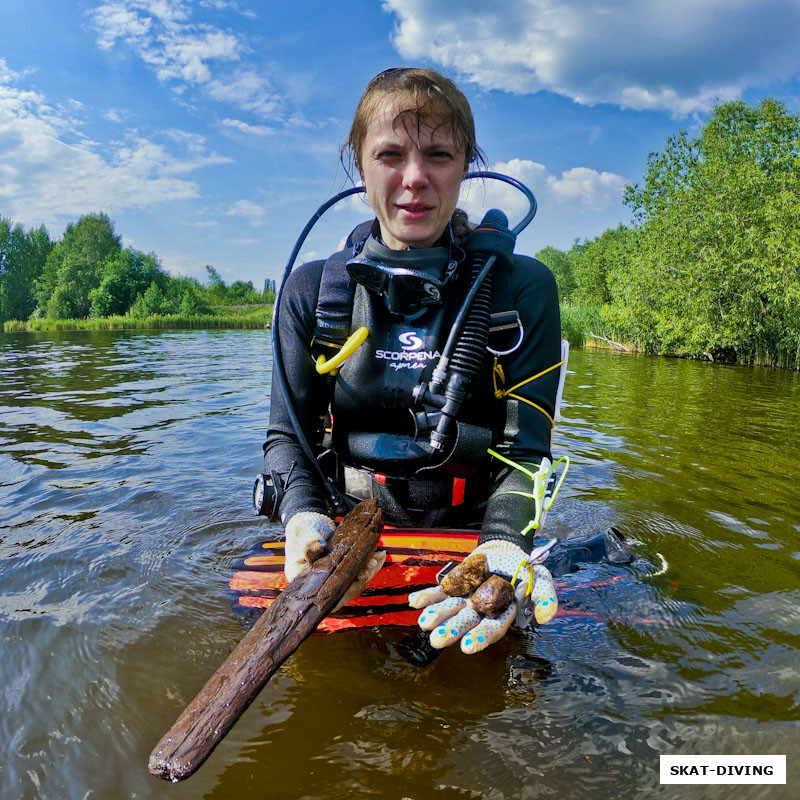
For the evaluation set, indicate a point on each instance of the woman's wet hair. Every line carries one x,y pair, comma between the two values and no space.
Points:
432,100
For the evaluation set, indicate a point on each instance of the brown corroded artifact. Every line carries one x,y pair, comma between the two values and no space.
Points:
466,576
275,636
316,550
493,596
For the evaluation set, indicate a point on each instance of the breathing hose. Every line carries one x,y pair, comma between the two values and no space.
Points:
337,498
466,359
490,239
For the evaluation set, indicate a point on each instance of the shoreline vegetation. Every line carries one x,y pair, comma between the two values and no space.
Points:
254,317
579,326
708,268
575,324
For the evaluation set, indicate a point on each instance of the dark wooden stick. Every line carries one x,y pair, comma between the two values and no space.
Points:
276,635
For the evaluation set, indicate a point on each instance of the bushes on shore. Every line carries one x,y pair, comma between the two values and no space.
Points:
710,267
87,275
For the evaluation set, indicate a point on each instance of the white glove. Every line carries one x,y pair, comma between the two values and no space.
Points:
307,535
451,619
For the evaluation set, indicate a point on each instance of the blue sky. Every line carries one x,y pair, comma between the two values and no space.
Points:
209,130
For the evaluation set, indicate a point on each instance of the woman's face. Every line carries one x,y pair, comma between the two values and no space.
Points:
412,177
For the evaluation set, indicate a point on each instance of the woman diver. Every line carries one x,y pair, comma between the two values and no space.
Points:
444,412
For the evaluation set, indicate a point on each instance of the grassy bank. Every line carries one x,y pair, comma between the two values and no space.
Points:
576,323
584,326
242,317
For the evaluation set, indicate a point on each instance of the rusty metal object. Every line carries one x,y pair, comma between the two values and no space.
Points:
493,596
274,637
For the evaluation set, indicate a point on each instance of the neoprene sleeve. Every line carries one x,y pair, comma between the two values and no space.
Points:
526,438
282,451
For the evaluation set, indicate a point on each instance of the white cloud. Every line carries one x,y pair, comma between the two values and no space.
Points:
579,189
184,53
247,128
143,156
7,75
226,5
680,56
115,21
208,223
49,171
251,211
160,32
587,188
247,90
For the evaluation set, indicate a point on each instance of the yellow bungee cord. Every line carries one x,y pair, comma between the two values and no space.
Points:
538,494
331,365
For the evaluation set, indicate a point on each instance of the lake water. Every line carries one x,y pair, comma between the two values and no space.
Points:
126,465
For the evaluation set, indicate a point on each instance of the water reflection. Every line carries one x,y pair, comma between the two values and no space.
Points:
125,464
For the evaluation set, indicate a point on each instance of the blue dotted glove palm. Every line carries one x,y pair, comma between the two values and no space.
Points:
451,618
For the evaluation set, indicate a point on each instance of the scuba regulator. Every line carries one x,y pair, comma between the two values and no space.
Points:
400,278
466,345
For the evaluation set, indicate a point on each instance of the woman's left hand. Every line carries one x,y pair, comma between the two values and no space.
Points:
456,618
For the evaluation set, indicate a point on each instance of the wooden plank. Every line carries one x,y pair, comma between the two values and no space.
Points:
276,635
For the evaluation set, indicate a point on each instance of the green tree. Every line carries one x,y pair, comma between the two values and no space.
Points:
595,264
150,302
716,254
22,259
74,266
241,292
193,303
561,266
216,288
123,278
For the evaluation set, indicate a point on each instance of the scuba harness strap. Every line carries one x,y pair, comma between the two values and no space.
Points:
334,311
336,292
437,485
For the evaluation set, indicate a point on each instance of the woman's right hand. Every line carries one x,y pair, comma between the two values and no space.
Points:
307,534
456,617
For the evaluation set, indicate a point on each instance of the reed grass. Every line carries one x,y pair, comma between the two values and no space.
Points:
253,319
577,321
576,324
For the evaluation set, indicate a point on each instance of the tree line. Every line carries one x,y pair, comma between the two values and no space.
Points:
87,273
710,265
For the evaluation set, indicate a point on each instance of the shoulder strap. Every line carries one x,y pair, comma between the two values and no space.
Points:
335,300
502,297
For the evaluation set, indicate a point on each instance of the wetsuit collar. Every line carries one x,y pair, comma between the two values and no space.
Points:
408,280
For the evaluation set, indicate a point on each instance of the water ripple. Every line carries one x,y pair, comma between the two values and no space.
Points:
126,462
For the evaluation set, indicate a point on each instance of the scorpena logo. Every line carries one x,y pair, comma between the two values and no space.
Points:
410,341
411,355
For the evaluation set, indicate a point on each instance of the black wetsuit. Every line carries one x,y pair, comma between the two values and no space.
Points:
371,397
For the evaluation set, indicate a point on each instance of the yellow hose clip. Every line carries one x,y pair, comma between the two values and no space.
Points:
529,567
331,365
